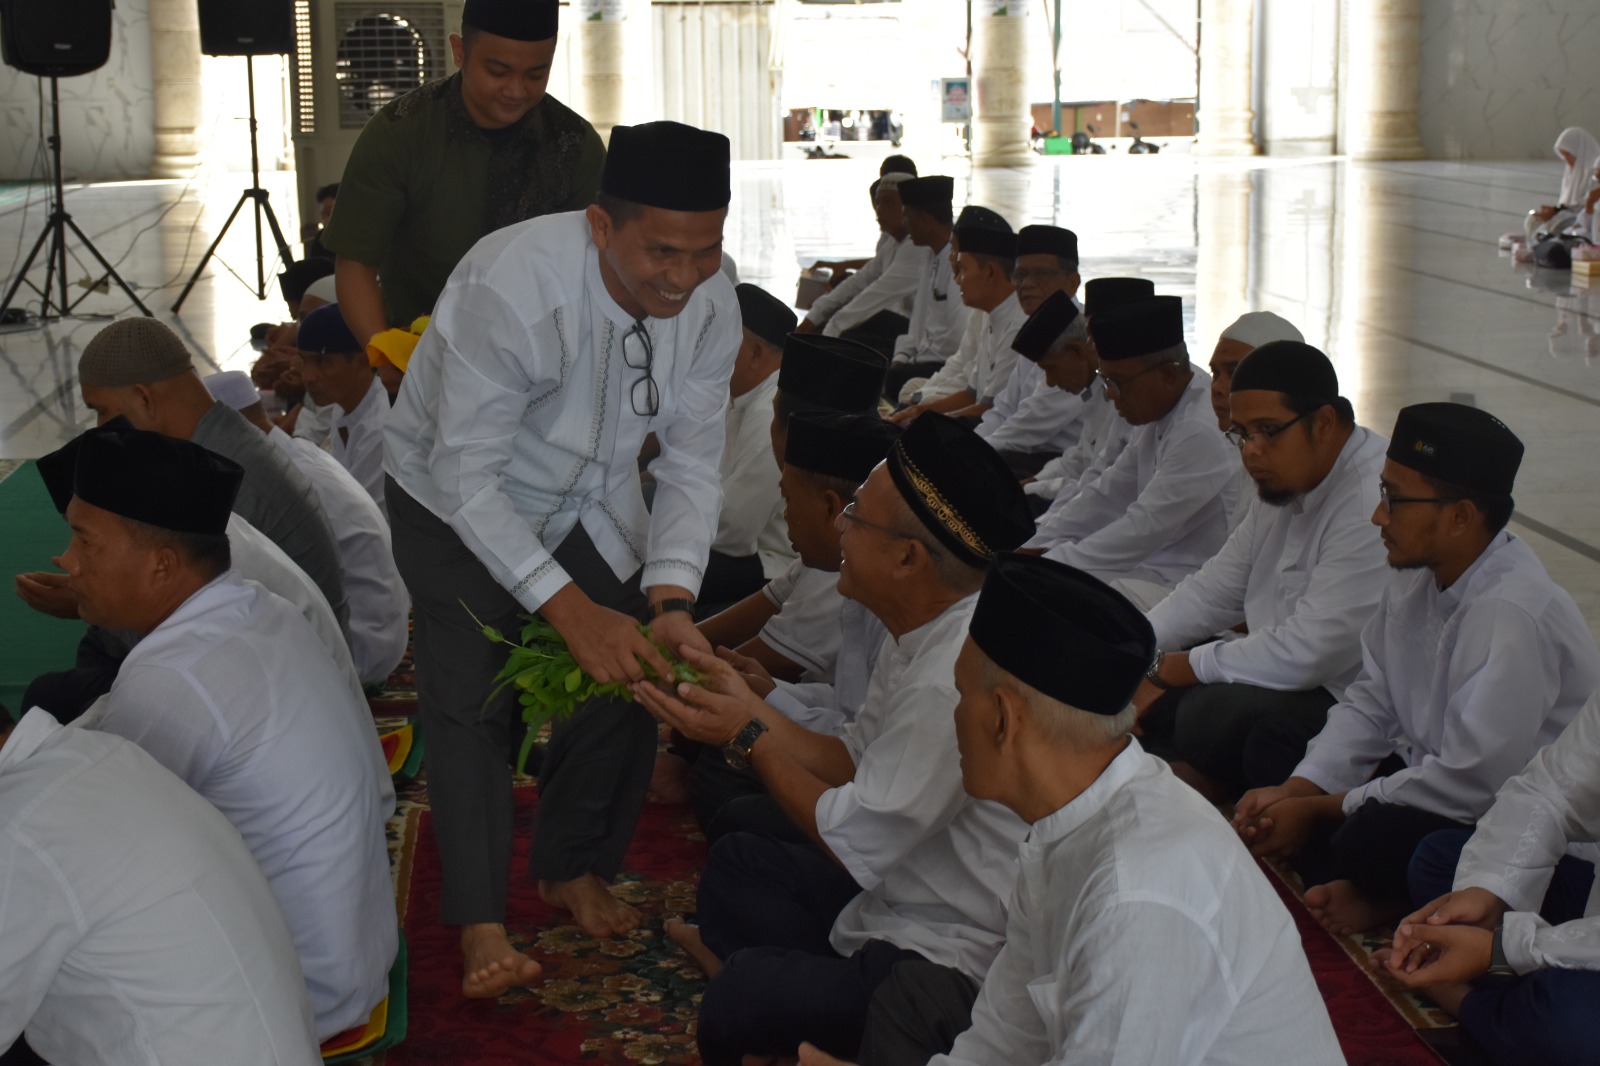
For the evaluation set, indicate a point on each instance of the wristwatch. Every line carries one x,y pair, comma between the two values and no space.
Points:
1153,675
737,752
662,607
1498,966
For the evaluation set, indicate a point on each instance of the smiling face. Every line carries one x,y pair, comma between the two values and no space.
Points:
869,549
1038,276
656,258
501,79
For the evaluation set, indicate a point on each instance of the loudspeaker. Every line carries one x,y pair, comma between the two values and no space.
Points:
246,27
55,38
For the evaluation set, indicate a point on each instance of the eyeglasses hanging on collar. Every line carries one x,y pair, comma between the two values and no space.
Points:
639,354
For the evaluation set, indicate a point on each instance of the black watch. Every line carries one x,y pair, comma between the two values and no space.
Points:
1498,966
662,607
1153,675
737,751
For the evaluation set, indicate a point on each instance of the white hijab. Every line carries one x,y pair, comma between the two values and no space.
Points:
1579,176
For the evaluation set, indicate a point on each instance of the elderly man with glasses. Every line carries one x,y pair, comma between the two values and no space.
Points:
1303,572
557,346
1473,661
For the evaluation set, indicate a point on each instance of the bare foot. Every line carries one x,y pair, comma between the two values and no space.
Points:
669,783
594,909
490,965
687,937
1343,911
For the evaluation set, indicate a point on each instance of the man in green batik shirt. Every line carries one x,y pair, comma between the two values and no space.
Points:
455,160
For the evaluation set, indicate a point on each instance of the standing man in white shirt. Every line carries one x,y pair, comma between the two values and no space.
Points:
339,377
751,546
557,346
134,924
1161,510
938,317
1509,943
899,864
1303,571
1473,661
869,304
229,688
1139,930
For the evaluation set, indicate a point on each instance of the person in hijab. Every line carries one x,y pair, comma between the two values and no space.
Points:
1579,151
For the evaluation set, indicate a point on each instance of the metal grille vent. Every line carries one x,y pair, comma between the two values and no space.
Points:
384,52
305,100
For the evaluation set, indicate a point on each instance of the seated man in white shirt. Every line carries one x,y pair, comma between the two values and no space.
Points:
1303,571
1247,333
134,924
1139,930
873,305
751,546
379,607
1161,509
1505,938
1473,661
339,377
900,864
229,688
938,317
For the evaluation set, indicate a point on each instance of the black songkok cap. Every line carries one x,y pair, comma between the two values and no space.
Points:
764,314
821,373
298,276
934,194
325,332
1138,327
151,478
1069,635
838,445
960,489
1045,326
974,217
1102,294
986,240
668,165
1048,240
520,20
1289,367
897,164
1458,444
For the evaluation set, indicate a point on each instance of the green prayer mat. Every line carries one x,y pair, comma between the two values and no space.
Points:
30,533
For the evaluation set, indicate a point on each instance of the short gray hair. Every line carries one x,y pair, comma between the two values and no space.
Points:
1062,723
954,573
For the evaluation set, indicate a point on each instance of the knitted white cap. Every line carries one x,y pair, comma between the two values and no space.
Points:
1259,327
233,388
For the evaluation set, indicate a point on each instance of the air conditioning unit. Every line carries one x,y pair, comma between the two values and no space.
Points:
351,58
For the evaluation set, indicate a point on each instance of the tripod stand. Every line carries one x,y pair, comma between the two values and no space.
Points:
55,232
254,194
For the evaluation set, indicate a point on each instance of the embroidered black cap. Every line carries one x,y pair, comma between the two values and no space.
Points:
960,488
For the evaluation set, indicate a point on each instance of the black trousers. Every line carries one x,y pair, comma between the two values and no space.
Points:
916,1014
729,579
901,373
1372,849
1241,736
726,801
879,332
66,694
596,769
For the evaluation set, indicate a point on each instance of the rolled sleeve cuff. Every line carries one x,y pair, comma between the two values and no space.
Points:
681,572
833,807
1517,933
542,582
1203,661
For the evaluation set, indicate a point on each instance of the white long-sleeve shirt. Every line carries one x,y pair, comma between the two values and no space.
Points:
355,439
806,628
516,421
934,864
888,282
1553,803
937,315
1102,435
752,522
1141,931
233,694
830,708
984,363
1305,578
135,927
1161,509
1463,683
1031,416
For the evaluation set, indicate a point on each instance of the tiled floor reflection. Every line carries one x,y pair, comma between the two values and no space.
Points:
1390,267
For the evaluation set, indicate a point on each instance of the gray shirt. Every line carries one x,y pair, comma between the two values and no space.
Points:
278,500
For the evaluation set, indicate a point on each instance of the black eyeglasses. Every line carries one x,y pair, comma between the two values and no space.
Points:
1238,436
1389,501
1118,386
639,354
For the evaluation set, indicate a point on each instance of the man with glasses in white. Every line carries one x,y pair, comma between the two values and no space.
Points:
1473,661
557,346
1303,572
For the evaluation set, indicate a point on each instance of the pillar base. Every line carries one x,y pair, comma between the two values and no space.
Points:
1226,146
1386,148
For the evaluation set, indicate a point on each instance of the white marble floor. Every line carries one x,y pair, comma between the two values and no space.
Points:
1392,268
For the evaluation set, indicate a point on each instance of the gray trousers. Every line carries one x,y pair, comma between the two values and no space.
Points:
596,770
1241,736
916,1014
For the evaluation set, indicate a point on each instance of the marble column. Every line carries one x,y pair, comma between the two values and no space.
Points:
1000,119
175,62
1222,243
1385,60
601,60
1227,82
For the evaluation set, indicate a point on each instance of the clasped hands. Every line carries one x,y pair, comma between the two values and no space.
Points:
713,711
1448,942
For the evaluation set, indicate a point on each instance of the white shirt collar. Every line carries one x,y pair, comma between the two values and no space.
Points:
1061,824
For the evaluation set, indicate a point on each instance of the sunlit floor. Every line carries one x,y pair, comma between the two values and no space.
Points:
1392,268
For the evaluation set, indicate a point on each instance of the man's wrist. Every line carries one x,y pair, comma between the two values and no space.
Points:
683,604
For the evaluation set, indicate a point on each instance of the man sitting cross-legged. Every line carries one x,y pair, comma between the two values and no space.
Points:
134,925
1139,930
900,863
229,688
1473,660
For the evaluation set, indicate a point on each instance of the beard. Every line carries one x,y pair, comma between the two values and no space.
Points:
1275,497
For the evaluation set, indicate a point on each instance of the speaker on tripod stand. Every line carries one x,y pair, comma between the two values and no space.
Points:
57,39
247,28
